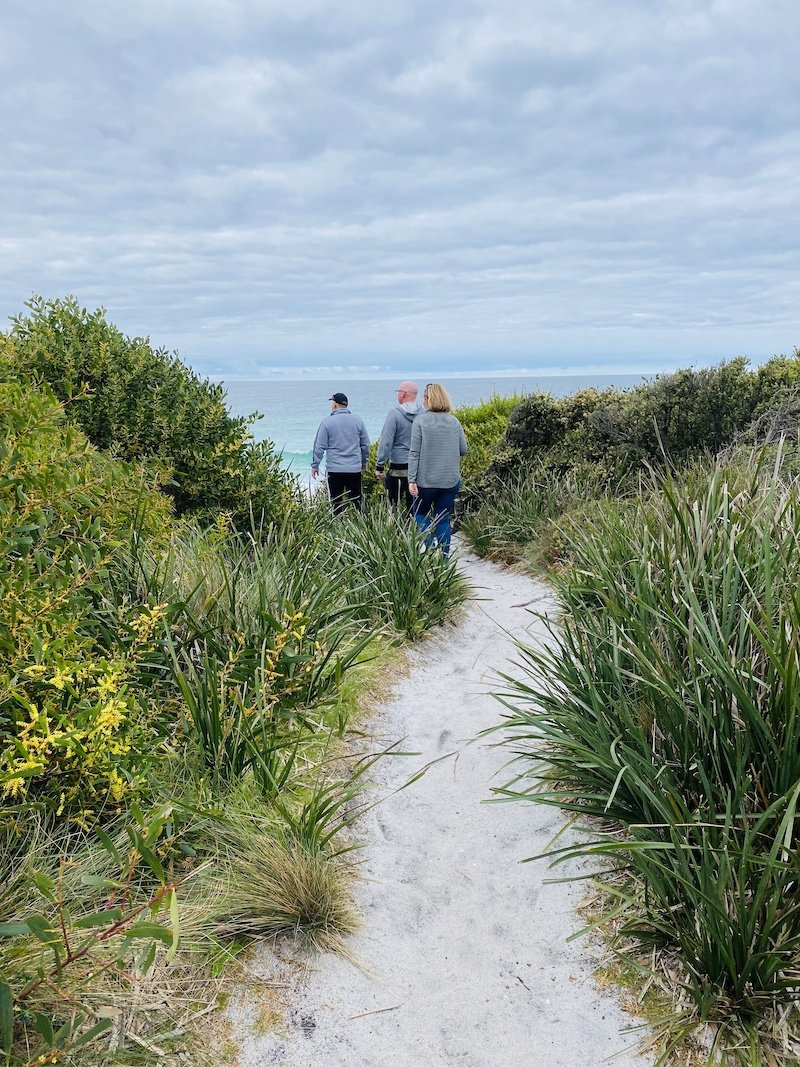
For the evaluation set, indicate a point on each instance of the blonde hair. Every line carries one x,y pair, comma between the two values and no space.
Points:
435,398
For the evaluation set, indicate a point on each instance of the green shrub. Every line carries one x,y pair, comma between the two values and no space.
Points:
413,590
143,403
484,427
74,733
669,419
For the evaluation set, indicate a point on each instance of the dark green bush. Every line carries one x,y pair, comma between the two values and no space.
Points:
144,403
668,419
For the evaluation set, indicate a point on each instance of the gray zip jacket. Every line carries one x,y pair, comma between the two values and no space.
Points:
437,445
396,435
343,438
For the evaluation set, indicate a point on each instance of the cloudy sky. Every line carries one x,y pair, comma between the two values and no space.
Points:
279,186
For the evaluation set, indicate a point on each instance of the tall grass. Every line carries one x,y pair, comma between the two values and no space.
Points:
667,703
520,511
413,590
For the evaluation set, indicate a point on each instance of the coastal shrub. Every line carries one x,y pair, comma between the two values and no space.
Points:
75,735
667,704
776,379
140,403
520,513
260,638
666,420
484,427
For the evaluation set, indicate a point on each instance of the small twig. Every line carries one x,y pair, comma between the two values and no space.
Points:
375,1011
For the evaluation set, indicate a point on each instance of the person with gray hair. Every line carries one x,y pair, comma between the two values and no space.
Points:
391,464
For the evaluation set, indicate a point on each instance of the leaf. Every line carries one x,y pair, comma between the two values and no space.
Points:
41,929
44,1027
91,1034
174,918
148,958
153,930
14,930
98,918
100,882
6,1017
45,884
108,845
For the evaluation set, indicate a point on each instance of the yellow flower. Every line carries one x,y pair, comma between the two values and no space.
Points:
107,685
60,680
111,715
13,787
116,784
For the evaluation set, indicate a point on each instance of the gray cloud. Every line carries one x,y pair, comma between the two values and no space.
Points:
371,184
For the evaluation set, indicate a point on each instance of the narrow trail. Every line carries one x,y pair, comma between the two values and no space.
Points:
465,946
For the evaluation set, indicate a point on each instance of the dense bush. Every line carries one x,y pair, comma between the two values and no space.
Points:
73,733
143,403
484,427
668,419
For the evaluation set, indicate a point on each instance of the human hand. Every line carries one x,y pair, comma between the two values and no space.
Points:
412,488
314,473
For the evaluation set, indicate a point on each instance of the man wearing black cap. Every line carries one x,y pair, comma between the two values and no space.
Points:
342,438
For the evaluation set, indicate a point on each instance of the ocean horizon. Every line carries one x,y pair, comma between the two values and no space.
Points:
292,410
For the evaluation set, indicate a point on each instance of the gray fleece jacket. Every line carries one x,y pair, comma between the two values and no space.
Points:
437,445
396,435
342,438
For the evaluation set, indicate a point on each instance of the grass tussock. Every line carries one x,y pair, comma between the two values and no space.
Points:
281,888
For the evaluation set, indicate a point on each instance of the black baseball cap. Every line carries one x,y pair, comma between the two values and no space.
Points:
339,398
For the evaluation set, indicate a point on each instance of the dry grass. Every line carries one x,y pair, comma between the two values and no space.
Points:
283,889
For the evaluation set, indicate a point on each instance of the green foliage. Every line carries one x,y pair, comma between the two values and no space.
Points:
484,427
667,704
666,420
143,403
73,734
522,511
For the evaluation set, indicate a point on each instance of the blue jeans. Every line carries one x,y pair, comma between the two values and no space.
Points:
432,512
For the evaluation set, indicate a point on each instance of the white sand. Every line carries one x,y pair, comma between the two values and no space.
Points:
466,946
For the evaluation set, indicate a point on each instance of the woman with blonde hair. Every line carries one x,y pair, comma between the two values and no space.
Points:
434,464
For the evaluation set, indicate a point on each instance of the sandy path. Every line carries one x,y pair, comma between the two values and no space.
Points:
466,946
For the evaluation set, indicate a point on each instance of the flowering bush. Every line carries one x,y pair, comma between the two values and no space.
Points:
73,731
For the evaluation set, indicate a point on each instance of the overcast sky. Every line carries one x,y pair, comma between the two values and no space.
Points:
301,185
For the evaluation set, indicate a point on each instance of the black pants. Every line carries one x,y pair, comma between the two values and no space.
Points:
345,488
397,491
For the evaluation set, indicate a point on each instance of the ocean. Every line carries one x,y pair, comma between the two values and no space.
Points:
292,410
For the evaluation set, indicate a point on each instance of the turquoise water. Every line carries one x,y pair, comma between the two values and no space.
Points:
292,411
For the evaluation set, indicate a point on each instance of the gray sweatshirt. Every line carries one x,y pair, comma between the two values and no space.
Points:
396,435
343,438
437,445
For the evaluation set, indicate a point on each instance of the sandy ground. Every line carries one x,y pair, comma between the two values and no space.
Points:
465,948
